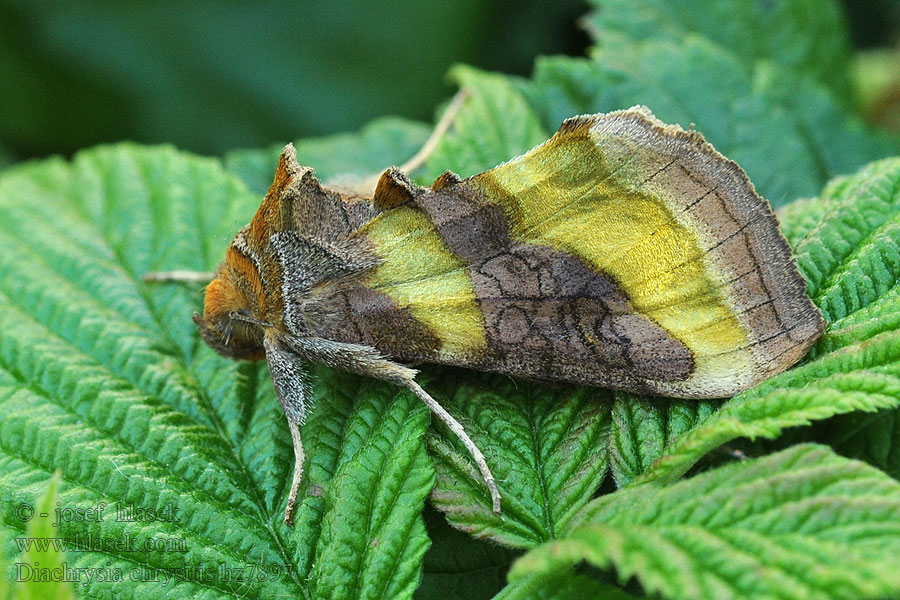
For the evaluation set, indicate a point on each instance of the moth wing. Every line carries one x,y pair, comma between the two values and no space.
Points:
523,309
621,252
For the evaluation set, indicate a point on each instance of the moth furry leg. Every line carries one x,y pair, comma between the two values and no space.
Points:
459,432
365,360
178,276
291,383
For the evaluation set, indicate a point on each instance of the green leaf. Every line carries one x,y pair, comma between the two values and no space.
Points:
104,378
872,437
562,584
800,36
459,566
851,260
851,257
547,447
852,251
373,537
794,54
797,218
862,376
42,555
383,142
495,124
673,79
8,574
803,523
642,426
787,133
838,141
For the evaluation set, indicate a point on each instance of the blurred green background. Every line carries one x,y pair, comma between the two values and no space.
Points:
210,76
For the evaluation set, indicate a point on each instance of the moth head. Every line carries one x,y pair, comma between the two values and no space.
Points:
228,324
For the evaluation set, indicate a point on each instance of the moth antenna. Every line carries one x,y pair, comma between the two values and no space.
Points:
366,187
458,430
178,276
437,134
298,473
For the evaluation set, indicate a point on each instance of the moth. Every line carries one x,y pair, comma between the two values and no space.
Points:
623,253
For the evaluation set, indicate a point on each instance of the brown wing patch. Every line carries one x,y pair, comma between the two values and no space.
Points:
548,315
470,226
361,315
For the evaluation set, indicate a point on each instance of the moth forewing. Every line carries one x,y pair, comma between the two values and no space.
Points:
622,252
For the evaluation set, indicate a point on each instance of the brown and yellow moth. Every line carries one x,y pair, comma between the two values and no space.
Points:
622,253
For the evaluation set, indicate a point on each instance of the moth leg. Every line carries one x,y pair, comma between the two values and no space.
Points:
298,472
365,360
291,383
366,188
178,276
458,430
